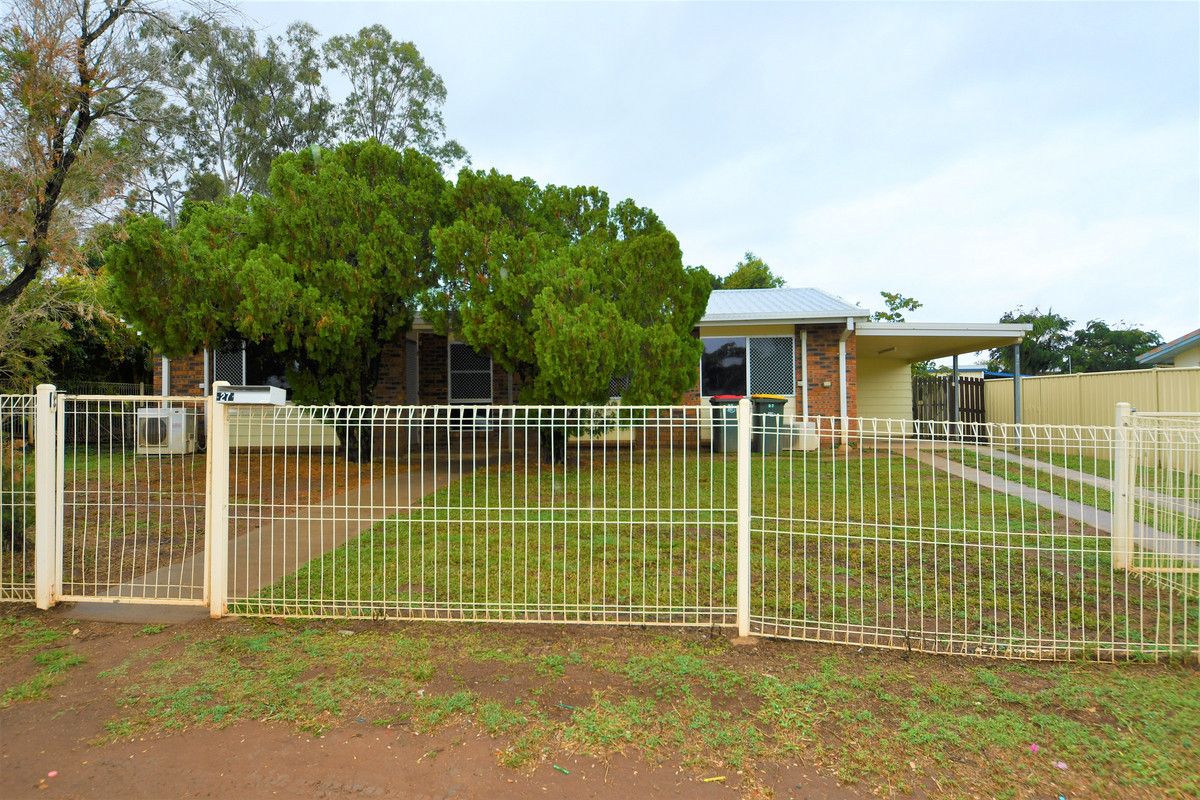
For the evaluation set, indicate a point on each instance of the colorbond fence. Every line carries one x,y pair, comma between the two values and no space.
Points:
1089,398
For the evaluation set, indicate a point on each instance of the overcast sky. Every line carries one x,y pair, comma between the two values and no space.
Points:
978,157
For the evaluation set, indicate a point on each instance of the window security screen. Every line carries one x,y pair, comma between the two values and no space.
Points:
748,365
772,365
470,375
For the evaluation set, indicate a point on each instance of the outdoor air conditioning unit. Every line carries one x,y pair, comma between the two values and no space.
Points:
165,431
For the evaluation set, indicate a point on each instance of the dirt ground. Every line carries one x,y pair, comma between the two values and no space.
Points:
261,708
260,760
65,735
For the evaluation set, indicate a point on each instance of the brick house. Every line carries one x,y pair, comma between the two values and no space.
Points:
819,351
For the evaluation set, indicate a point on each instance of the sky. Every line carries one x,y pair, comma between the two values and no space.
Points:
976,156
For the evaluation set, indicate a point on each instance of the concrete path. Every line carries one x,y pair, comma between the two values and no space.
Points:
1144,536
1177,505
275,549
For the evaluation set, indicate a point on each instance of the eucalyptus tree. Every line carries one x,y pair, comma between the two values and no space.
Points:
395,96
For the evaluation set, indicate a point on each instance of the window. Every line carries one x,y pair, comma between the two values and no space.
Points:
723,366
470,375
748,365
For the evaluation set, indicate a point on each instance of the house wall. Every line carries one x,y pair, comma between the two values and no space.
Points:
825,401
822,367
1188,358
186,376
391,387
884,388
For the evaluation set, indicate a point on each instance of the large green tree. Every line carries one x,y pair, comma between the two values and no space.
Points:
1097,347
574,295
750,273
1043,350
328,268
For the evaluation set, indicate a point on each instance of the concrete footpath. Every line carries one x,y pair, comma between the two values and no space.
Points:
1145,537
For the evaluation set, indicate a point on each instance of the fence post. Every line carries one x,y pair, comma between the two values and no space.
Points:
744,418
217,522
45,496
1122,512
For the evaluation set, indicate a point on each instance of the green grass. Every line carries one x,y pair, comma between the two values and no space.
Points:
878,547
43,648
887,722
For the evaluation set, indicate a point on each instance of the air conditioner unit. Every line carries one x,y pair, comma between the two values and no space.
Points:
165,431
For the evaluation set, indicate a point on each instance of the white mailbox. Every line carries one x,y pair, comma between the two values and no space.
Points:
251,395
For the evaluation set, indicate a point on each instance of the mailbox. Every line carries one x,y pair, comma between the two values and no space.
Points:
250,395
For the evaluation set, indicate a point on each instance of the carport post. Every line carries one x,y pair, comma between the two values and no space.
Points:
743,516
216,529
954,396
1016,383
45,496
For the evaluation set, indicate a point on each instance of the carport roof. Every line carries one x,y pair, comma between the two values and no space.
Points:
920,341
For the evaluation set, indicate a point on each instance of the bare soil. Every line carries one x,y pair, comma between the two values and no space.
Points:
65,734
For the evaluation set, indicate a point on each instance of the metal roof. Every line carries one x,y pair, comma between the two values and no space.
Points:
777,305
1164,353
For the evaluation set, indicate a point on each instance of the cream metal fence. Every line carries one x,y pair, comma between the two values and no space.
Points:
1163,534
991,540
1033,541
517,513
17,497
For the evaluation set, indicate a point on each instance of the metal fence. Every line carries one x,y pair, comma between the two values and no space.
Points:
993,540
1164,505
598,514
983,539
17,497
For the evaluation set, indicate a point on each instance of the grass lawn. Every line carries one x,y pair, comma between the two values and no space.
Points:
874,549
886,723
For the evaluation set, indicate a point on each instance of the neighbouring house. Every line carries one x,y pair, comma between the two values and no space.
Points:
820,352
1181,352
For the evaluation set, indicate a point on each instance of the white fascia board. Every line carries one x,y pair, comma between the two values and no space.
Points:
1013,329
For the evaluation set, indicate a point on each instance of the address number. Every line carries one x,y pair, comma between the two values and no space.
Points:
224,397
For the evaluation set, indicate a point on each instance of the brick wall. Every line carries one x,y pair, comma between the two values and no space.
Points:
432,368
186,376
825,401
391,387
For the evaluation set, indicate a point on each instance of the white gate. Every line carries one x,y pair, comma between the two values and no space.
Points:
132,492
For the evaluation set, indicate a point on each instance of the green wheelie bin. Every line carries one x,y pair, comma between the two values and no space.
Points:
769,422
725,423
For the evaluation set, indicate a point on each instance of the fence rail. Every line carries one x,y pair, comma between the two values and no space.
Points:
1033,541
